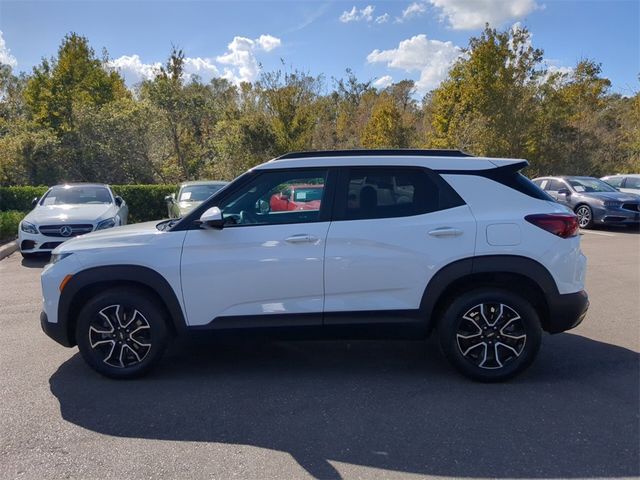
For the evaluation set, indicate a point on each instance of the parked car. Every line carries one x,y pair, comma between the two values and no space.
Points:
190,195
436,241
629,183
66,211
595,202
297,197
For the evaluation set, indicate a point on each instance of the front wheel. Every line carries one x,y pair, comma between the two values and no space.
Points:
490,335
121,333
585,216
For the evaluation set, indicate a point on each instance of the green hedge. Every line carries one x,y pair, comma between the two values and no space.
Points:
9,224
146,202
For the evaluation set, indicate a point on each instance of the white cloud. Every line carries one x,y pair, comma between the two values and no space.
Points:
354,15
133,69
241,60
473,14
383,82
432,58
384,18
268,42
240,64
5,54
413,10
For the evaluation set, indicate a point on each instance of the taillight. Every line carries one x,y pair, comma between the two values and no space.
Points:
564,225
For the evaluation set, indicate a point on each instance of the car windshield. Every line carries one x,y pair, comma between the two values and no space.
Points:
198,193
77,195
590,185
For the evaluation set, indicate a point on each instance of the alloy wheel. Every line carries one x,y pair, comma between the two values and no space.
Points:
490,335
584,216
121,336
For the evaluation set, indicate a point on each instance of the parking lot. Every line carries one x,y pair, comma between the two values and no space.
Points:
329,409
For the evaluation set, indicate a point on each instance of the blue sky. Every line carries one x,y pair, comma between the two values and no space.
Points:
386,41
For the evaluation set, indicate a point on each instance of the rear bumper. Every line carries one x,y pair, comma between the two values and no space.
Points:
566,311
56,331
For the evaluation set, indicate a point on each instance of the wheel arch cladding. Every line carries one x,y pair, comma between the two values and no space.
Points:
521,275
87,283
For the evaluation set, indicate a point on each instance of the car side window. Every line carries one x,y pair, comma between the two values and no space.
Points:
383,192
277,197
632,182
554,185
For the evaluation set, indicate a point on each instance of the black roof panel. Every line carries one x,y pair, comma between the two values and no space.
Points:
407,152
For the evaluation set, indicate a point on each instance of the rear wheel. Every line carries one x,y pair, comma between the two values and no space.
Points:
121,333
490,335
585,216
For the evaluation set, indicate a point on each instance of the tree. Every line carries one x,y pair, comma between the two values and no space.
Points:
487,102
75,78
289,98
384,129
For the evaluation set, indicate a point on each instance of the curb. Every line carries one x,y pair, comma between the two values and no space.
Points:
8,248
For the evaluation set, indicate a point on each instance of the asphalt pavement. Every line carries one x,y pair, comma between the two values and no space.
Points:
367,409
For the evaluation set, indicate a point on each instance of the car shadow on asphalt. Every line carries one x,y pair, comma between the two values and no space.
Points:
388,405
35,262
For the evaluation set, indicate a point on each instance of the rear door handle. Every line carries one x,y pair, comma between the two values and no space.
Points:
445,232
301,238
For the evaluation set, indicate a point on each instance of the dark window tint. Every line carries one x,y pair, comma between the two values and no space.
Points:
632,182
381,192
554,185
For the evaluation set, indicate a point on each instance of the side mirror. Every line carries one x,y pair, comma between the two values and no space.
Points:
212,218
34,202
119,200
564,191
284,196
170,198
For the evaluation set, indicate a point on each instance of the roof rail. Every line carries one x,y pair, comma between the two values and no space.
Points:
410,152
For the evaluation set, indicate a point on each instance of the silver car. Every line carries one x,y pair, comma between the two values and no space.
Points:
629,183
190,195
66,211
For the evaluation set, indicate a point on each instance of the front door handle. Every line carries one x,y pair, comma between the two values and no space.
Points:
445,232
300,238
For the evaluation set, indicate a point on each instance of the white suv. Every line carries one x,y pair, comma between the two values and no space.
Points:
396,243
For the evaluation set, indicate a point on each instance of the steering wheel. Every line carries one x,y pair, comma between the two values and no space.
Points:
247,217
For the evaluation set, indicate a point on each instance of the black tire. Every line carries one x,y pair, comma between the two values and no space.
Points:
493,347
585,216
115,340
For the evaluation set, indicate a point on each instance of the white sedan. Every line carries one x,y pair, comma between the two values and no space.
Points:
67,211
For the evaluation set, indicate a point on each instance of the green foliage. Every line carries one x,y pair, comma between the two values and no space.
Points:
73,119
384,129
146,202
75,78
19,198
9,222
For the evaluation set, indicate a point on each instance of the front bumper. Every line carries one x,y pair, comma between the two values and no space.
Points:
38,243
566,311
57,331
610,216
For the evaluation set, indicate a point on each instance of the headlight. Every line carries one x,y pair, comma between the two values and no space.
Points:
28,227
108,223
56,257
611,203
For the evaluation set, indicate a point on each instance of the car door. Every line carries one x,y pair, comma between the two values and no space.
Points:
393,229
264,268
